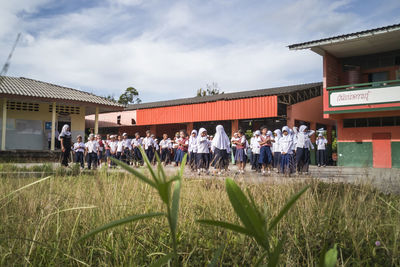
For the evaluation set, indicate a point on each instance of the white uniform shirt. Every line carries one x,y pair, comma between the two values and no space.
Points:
148,142
127,143
321,143
136,142
254,145
303,138
203,145
192,144
165,143
286,144
79,147
113,146
92,146
120,146
234,139
275,145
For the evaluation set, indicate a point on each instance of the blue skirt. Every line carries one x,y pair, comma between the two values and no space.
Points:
179,155
265,155
240,155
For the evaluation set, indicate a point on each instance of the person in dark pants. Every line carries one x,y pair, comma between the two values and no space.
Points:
65,142
79,149
303,149
321,156
92,148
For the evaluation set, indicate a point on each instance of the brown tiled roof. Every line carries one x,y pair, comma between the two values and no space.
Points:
33,88
344,36
227,96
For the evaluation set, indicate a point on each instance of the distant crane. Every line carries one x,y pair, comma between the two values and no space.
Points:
8,61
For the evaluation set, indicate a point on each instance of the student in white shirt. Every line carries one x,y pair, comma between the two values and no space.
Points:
79,150
137,155
148,145
203,152
234,139
192,150
113,144
92,147
285,146
276,149
321,144
303,149
126,143
255,150
165,149
120,148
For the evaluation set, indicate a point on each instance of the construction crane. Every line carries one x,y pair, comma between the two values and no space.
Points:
8,61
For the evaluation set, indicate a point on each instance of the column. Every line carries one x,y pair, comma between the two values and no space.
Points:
153,129
329,133
235,126
96,121
53,127
189,127
4,125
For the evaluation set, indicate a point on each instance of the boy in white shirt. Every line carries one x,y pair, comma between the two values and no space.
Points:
148,145
321,156
137,155
127,147
165,149
255,150
79,150
113,149
203,151
120,148
92,147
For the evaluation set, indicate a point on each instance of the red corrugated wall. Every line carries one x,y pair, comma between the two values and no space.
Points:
248,108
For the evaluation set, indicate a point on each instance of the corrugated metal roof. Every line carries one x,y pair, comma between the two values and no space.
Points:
359,34
33,88
226,96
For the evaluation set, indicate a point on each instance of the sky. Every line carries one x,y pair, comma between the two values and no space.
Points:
169,49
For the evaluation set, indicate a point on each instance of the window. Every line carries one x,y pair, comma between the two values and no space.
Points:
378,76
371,122
119,119
133,122
22,106
67,110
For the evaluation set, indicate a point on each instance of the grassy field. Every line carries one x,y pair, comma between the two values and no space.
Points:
41,224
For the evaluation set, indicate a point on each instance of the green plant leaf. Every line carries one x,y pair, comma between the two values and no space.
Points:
273,258
120,222
175,204
286,208
330,258
161,172
183,163
149,167
217,256
229,226
138,174
164,190
246,213
163,260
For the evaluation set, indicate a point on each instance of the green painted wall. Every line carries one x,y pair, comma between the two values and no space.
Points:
355,154
395,154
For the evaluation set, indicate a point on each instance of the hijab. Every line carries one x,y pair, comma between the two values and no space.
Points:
221,140
64,132
278,133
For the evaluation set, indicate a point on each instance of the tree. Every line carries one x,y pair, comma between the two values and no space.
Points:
212,89
111,98
130,96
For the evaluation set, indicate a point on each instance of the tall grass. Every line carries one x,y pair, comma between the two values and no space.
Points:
41,224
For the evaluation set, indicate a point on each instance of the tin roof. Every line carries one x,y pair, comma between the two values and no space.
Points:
226,96
345,37
32,88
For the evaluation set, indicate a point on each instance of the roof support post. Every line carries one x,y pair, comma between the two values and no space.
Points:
96,121
53,126
4,125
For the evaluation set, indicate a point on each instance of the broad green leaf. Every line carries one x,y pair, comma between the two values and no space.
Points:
183,163
149,166
163,260
116,223
246,213
161,172
175,204
138,174
253,203
217,256
286,208
164,190
25,186
229,226
330,258
273,258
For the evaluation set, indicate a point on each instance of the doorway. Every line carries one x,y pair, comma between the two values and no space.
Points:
381,150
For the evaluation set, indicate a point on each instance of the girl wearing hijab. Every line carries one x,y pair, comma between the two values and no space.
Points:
303,149
203,151
285,146
221,146
192,150
65,141
255,150
276,149
321,156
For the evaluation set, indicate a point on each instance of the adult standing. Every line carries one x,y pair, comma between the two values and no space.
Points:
221,147
65,142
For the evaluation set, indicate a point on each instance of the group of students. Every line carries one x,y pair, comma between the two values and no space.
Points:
286,150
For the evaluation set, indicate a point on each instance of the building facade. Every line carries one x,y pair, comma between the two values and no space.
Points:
361,92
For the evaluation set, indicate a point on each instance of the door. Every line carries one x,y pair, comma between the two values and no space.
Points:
381,150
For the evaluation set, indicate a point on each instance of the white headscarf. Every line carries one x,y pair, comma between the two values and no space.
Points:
269,133
278,133
221,140
302,128
64,132
201,130
193,139
257,132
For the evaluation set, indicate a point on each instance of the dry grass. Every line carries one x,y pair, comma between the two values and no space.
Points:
40,225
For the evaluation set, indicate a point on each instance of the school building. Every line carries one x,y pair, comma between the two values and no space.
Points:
32,111
246,110
361,92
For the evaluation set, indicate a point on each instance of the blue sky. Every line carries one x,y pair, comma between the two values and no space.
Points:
169,49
